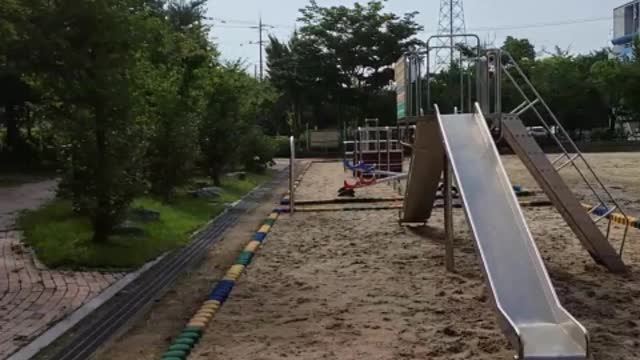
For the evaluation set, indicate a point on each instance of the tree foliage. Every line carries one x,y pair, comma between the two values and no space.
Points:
128,94
520,49
337,66
585,91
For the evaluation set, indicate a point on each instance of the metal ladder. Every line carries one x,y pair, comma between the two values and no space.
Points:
570,153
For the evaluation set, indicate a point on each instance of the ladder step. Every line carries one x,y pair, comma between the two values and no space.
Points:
554,161
529,106
605,215
570,161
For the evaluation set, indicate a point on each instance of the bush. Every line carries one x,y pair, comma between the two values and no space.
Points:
257,151
282,146
603,135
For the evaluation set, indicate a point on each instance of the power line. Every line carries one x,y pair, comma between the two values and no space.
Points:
245,24
541,24
241,23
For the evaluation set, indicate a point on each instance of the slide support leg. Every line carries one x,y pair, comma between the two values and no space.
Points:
448,216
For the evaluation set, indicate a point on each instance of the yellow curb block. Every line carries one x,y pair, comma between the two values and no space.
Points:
210,307
252,246
196,324
202,319
205,312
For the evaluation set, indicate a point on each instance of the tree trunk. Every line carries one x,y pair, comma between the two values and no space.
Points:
612,120
101,228
215,176
102,221
13,132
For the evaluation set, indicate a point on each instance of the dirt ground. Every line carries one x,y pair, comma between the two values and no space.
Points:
356,285
150,337
618,171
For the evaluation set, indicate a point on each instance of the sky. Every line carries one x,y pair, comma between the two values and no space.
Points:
577,25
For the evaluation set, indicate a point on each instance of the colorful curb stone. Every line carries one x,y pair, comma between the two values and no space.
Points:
183,344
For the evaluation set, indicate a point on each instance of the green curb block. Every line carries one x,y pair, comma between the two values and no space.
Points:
244,262
244,258
189,335
192,329
186,341
180,347
175,353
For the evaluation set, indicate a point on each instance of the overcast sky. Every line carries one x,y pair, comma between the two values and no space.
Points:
581,25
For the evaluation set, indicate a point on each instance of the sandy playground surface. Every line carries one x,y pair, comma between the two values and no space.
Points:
356,285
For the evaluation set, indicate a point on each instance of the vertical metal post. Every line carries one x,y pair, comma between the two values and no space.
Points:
498,65
378,150
428,80
448,216
469,98
388,149
356,153
409,87
292,175
461,86
419,86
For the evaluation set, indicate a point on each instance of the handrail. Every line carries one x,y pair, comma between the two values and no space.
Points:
292,161
359,167
570,148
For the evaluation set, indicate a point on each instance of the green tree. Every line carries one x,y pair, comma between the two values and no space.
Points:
91,85
229,132
179,65
519,48
338,62
18,34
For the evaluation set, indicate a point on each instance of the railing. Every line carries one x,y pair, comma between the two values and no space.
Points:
533,101
292,175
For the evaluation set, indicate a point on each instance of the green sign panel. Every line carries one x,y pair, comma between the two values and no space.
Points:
401,80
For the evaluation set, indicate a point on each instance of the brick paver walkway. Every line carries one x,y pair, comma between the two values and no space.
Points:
32,300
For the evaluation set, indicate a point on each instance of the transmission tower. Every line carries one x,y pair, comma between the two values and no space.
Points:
451,22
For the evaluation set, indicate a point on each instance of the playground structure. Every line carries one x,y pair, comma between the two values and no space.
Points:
461,146
375,147
377,156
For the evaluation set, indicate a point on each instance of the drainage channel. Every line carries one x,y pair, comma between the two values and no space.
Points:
83,340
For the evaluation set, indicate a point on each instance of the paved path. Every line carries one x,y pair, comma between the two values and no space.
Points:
33,299
13,199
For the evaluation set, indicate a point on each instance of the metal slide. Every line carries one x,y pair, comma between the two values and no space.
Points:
427,164
528,309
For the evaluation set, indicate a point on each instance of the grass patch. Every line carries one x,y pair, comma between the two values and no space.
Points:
61,238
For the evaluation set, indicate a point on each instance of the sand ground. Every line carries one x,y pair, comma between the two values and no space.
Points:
356,285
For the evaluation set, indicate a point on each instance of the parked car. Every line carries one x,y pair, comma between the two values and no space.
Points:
537,131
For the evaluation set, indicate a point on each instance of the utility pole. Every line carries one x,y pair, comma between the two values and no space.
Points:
261,28
451,22
260,44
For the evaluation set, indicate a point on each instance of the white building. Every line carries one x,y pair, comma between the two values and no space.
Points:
626,26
